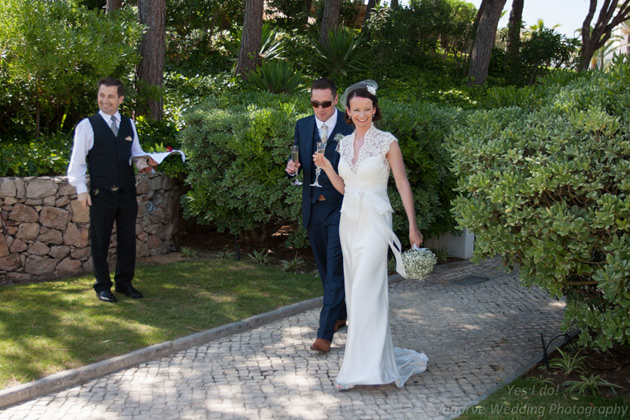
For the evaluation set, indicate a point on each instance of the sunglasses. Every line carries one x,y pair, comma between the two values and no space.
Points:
324,105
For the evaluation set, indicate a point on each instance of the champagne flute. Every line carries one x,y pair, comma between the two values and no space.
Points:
321,148
295,157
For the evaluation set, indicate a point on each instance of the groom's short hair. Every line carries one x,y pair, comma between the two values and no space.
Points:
324,83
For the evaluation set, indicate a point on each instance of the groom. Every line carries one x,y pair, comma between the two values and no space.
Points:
321,205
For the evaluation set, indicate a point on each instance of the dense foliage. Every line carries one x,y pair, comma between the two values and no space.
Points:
547,188
238,147
52,55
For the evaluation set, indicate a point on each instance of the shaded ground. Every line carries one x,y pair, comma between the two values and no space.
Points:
208,243
612,366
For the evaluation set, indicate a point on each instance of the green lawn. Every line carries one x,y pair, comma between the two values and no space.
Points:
52,326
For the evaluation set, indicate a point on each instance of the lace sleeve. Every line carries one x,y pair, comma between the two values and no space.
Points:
386,141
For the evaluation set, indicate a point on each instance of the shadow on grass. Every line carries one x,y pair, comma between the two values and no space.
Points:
53,326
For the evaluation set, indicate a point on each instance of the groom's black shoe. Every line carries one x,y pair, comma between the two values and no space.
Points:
106,296
130,291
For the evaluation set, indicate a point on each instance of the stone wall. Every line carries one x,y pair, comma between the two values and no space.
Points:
44,231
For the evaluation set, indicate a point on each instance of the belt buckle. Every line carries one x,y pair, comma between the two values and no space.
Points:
114,188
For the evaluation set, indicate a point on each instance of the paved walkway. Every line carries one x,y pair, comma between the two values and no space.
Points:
476,336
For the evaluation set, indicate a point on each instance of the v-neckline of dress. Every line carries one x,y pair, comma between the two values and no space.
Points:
356,155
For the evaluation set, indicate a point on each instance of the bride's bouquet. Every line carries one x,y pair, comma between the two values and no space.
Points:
418,262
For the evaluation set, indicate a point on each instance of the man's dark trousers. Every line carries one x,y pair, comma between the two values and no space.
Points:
323,233
109,207
321,220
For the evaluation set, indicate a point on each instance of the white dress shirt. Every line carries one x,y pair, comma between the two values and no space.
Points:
330,124
83,143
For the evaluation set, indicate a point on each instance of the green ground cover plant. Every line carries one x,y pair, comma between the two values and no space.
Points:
52,326
535,399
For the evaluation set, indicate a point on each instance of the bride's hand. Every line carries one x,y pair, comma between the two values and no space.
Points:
415,236
321,161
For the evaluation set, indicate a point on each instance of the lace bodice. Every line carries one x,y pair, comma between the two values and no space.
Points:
370,169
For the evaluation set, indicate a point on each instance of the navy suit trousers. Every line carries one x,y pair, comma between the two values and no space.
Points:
323,233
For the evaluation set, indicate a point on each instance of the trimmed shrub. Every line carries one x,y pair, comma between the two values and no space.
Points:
421,128
238,146
547,188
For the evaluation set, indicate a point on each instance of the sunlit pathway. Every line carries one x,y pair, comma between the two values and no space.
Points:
476,336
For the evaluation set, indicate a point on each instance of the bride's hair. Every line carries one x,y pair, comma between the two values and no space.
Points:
363,93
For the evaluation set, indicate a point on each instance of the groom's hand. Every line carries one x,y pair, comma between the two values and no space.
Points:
292,167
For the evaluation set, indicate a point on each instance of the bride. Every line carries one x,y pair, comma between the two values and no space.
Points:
366,233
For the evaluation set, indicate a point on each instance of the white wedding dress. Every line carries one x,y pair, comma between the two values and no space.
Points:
365,230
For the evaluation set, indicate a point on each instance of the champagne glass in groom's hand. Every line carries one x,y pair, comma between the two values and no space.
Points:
295,157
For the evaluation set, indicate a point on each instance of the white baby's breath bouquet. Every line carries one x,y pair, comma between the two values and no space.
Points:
418,262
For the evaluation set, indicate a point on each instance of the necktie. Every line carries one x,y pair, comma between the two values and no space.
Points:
324,131
112,124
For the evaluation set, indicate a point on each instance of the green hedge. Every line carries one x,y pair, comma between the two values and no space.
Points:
546,187
238,146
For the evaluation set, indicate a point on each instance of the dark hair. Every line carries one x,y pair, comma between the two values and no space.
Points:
110,81
363,93
324,83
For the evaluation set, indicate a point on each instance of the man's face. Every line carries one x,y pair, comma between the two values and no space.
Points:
108,99
321,97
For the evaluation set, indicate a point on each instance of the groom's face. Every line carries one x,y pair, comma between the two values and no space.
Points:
323,103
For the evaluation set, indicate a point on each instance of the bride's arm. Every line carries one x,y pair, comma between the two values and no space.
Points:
395,159
333,176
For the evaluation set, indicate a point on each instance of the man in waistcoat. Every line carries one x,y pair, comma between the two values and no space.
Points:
104,144
321,205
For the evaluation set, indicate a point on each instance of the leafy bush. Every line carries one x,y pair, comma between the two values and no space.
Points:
238,146
544,50
419,34
421,128
42,156
196,31
52,55
548,190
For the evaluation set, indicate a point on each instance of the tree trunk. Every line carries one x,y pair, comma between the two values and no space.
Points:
250,40
514,39
330,20
151,68
488,20
602,30
113,5
394,4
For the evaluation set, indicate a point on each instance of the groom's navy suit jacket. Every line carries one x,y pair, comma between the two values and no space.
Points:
306,135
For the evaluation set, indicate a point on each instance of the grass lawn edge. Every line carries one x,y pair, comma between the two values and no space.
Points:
72,377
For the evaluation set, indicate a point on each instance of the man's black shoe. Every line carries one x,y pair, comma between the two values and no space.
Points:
130,291
106,296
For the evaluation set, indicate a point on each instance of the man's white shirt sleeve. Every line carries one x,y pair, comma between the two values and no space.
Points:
83,142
